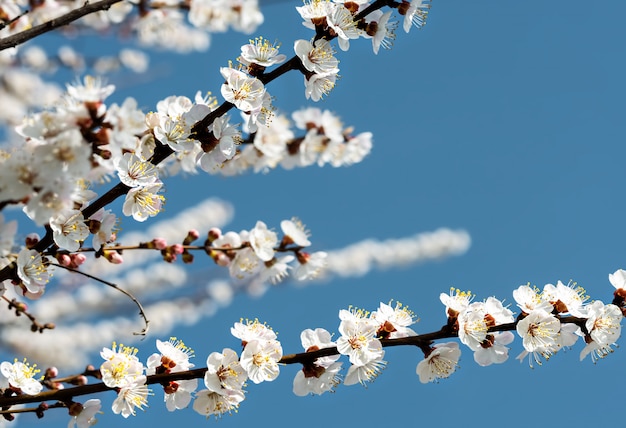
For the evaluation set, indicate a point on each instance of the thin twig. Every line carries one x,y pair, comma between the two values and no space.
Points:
121,290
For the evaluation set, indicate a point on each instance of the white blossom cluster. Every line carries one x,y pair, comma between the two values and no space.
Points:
550,319
158,24
252,255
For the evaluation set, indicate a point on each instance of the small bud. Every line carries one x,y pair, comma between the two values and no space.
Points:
214,233
187,257
31,240
222,259
159,243
192,235
64,259
75,409
51,372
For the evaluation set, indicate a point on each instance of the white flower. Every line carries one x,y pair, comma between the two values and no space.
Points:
618,279
121,367
263,241
103,233
342,22
87,416
456,302
319,85
604,328
135,172
143,202
416,14
178,393
321,375
310,265
317,57
318,381
530,299
276,269
224,372
93,90
252,330
7,235
540,332
32,270
246,264
440,363
69,230
364,373
133,395
385,33
393,322
493,350
260,360
211,403
295,232
261,52
226,136
566,298
246,93
358,341
21,375
174,354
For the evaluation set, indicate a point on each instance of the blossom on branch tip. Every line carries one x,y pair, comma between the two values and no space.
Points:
440,363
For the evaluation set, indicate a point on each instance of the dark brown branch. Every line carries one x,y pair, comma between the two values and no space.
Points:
24,36
423,341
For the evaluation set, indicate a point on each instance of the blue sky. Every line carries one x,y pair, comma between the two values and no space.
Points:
499,117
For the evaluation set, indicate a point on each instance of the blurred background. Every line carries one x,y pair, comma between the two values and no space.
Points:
502,119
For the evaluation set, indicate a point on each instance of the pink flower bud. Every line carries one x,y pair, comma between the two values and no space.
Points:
64,259
222,260
159,243
177,248
214,233
78,259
